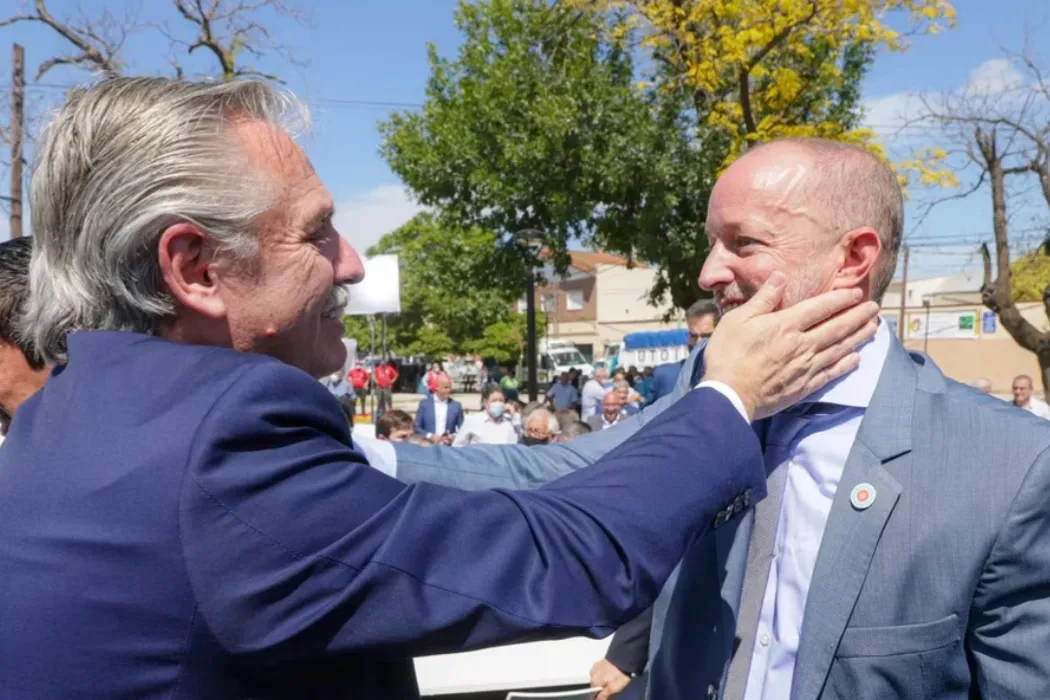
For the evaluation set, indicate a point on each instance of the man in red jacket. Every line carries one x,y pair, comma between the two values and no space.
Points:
386,375
359,377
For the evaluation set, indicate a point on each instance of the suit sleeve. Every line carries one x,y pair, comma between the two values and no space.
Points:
296,548
515,466
629,649
418,425
1010,622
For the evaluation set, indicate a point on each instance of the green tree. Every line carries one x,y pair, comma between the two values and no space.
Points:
455,282
517,132
1030,275
539,122
504,341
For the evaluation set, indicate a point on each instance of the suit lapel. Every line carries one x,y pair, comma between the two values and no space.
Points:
851,535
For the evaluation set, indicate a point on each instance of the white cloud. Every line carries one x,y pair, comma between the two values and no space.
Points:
363,218
994,77
885,115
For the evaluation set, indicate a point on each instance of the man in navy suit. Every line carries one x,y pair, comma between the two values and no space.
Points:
439,416
183,514
701,319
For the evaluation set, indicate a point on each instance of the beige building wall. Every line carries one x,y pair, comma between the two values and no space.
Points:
994,356
623,305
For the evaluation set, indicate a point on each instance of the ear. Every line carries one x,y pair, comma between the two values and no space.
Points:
186,267
861,250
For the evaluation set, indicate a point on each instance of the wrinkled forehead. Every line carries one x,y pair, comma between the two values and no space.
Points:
765,189
281,161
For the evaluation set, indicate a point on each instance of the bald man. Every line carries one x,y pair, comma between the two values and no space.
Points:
884,563
612,407
439,416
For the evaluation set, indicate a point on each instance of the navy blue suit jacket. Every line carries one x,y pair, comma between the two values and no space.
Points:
426,422
665,377
185,522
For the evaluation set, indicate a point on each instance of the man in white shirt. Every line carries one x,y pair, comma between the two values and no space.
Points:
1024,400
593,394
562,394
490,427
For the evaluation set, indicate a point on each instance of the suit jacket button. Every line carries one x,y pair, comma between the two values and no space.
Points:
738,504
712,691
747,498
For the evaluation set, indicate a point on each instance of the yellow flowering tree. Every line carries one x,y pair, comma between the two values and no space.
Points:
750,66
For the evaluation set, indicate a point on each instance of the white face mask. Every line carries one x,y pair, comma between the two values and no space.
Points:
496,409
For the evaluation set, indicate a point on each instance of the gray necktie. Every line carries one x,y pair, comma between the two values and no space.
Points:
760,548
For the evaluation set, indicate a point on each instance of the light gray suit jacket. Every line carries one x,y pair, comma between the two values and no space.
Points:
939,590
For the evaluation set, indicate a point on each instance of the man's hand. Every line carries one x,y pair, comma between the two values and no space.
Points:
609,678
774,358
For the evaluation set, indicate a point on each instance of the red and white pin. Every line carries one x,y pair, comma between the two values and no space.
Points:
863,496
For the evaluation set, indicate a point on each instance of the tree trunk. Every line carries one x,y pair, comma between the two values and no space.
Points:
1044,369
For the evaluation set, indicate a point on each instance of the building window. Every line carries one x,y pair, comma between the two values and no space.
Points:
574,301
549,304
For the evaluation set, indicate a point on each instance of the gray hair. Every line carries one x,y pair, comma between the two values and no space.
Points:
118,163
701,308
854,188
15,256
982,384
553,426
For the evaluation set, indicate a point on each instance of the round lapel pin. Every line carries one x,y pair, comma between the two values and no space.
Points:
863,496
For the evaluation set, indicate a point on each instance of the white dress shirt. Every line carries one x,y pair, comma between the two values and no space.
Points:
483,429
591,403
814,452
1038,407
440,417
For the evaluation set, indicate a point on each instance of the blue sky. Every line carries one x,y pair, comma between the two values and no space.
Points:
363,50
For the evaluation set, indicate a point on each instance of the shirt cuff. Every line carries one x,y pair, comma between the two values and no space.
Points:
379,453
726,391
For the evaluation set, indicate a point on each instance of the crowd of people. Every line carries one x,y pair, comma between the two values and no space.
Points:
562,414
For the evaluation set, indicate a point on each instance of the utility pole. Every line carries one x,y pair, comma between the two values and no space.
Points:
17,130
904,295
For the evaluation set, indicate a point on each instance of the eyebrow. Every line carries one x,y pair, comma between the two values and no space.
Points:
325,212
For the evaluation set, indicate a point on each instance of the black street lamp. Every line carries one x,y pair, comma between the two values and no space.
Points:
531,240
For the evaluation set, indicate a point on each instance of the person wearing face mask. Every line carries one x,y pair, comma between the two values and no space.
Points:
540,427
492,426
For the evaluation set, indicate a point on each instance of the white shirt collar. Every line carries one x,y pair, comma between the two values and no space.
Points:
856,388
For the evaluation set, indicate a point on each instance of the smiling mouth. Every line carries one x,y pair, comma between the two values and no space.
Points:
335,303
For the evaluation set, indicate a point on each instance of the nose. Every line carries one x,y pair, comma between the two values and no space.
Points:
715,273
348,266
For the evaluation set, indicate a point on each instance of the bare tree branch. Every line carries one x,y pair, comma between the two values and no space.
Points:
1004,132
228,29
97,42
949,198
